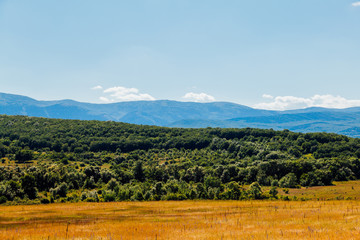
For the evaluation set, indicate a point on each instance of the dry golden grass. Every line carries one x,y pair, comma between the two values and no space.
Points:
340,190
184,220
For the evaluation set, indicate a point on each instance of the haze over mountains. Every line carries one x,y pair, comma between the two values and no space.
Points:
189,114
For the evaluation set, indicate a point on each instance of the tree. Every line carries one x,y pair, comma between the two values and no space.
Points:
3,150
60,190
24,156
109,196
288,181
28,184
157,190
255,190
112,184
273,192
3,199
212,182
225,177
233,191
139,171
11,189
89,183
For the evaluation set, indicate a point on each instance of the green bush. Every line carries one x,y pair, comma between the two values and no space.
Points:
175,196
288,181
45,201
109,196
3,199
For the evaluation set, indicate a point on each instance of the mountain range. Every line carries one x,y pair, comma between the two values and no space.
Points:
189,114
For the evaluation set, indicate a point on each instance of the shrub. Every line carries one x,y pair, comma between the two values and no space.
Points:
112,184
90,196
45,201
3,199
273,192
175,196
60,190
109,196
90,199
255,190
275,183
288,181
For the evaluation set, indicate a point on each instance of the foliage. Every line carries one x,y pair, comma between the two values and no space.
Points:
110,161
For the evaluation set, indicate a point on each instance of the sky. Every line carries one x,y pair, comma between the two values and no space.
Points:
265,54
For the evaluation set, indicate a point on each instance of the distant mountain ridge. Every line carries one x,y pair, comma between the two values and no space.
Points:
189,114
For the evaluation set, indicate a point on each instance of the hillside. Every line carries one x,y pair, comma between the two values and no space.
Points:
71,160
189,114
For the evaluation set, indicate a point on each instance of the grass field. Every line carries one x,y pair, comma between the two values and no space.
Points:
339,191
183,220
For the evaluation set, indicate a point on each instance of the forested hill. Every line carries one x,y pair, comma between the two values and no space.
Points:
125,161
42,134
189,114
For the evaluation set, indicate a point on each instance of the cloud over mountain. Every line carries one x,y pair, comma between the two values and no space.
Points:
292,102
198,97
121,94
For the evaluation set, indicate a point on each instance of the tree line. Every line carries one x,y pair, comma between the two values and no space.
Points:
71,160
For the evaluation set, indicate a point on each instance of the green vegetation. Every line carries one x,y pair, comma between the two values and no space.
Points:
49,160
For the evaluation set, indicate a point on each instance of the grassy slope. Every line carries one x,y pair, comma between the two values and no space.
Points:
340,190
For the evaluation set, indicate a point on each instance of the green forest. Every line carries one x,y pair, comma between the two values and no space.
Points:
52,160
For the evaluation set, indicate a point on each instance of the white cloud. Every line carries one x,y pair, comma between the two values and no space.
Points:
267,96
198,97
291,102
105,99
356,4
97,88
120,94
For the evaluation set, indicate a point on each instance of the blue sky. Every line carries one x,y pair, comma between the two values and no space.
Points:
276,54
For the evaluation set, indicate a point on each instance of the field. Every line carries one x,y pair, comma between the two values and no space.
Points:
349,190
339,191
183,220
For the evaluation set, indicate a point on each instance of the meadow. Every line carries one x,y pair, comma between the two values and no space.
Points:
108,180
184,220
